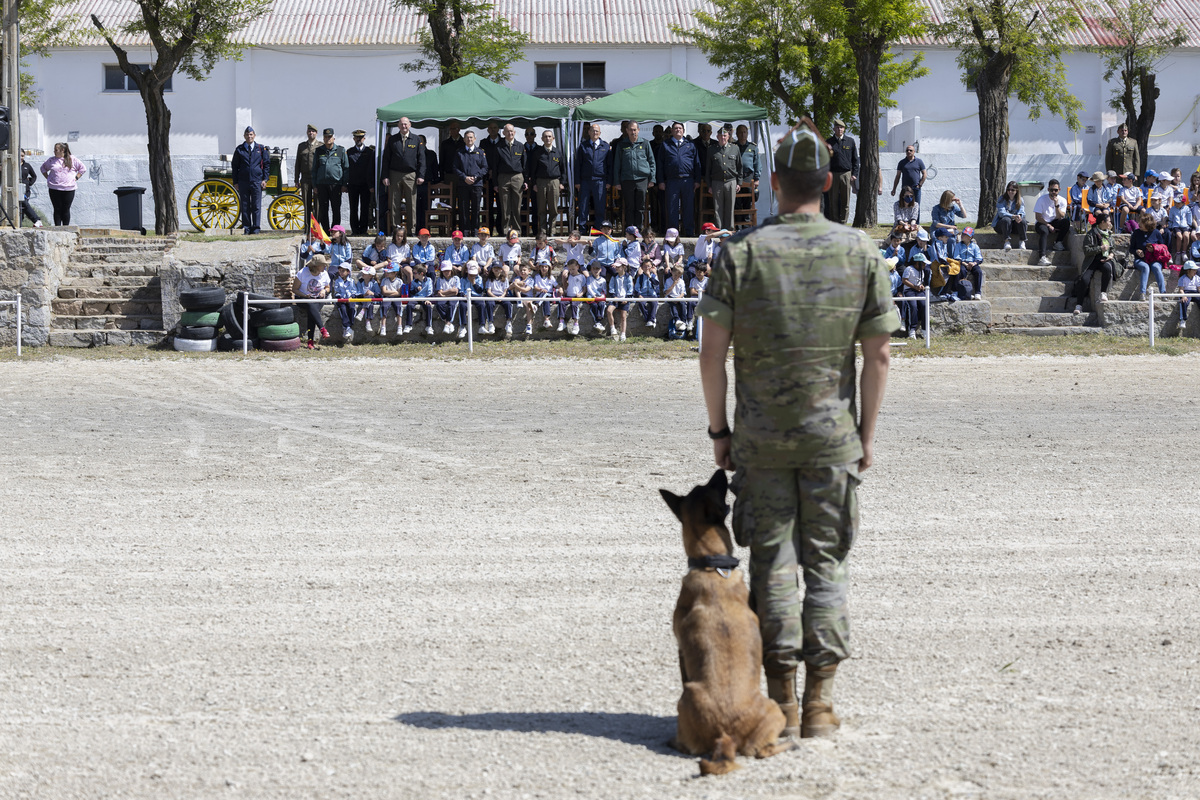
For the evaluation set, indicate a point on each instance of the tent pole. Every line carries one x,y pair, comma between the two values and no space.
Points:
567,128
380,192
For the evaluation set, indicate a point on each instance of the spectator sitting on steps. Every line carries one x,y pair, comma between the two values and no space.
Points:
1050,211
1098,258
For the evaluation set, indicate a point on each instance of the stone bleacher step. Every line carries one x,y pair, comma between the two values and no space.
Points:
1030,305
145,292
1018,272
108,322
1066,330
1018,288
105,306
1042,319
104,337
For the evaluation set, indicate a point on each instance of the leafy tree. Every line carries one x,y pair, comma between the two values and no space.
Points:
189,36
464,37
1140,39
871,28
778,54
1010,47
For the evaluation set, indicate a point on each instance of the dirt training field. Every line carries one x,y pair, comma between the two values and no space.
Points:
413,579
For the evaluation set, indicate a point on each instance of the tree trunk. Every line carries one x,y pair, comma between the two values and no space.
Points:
991,89
1145,119
868,52
162,178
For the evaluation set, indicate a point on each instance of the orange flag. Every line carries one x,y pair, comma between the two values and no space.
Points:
315,231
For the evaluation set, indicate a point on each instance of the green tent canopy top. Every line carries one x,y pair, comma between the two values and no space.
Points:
668,97
473,101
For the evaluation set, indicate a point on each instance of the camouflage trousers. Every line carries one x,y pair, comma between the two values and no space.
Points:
797,520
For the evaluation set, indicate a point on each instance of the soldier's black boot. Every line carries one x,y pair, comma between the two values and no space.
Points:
782,689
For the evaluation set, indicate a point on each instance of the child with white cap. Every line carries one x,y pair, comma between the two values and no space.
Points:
544,285
390,287
1189,283
620,286
496,287
447,286
672,250
676,287
510,252
343,289
576,285
367,287
647,285
631,250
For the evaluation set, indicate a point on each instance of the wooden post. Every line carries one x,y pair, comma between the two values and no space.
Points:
10,96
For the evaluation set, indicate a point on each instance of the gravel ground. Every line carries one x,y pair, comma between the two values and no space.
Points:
208,589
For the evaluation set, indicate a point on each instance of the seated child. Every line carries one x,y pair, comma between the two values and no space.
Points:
544,285
574,286
421,286
620,286
676,288
496,286
367,287
646,284
522,286
597,287
343,289
391,287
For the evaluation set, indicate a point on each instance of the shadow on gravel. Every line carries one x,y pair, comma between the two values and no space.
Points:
639,729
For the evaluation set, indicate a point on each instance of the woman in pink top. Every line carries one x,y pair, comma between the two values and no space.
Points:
61,173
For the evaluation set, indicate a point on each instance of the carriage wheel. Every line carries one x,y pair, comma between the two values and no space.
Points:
286,213
213,204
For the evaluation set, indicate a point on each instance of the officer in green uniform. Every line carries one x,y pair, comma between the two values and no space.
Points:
303,176
330,168
795,294
724,171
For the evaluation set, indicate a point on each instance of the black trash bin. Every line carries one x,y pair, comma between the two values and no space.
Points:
129,206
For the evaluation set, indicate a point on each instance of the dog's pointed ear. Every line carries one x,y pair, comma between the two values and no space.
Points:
674,502
714,494
718,483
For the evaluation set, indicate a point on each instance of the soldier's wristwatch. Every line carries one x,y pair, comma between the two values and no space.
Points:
721,434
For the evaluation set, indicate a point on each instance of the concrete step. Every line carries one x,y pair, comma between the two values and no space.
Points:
144,294
1072,330
996,273
101,338
83,269
107,306
1041,319
122,322
112,280
1045,288
1025,257
1030,305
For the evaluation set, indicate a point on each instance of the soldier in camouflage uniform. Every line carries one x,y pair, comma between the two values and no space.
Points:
795,294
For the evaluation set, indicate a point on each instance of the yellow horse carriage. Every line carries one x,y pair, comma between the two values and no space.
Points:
213,204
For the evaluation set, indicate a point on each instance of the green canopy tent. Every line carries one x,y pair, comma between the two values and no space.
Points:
671,98
473,101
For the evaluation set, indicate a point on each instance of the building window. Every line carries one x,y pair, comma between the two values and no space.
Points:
117,81
571,76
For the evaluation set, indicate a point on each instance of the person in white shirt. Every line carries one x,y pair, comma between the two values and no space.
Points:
1050,210
312,282
576,285
482,253
510,252
597,287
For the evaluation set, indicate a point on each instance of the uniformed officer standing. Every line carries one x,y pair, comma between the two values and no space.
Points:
330,168
470,172
633,169
843,165
509,178
679,176
360,183
303,178
545,165
724,172
403,169
795,294
593,162
1121,155
251,168
751,167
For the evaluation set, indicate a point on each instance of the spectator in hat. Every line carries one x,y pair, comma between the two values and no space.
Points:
510,252
913,282
303,170
421,286
470,171
343,289
1075,196
367,287
360,184
593,163
446,286
1050,214
679,177
1110,190
921,245
330,171
605,247
392,287
1149,186
403,171
483,253
631,248
1010,216
724,169
251,168
843,165
1095,197
673,251
1166,189
458,253
423,252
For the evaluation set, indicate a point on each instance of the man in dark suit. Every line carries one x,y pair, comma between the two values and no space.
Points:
470,169
251,168
593,162
360,184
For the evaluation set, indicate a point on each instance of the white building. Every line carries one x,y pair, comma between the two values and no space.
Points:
333,62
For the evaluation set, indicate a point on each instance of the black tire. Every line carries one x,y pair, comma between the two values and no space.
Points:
197,332
203,299
231,321
278,333
279,345
274,315
228,344
212,318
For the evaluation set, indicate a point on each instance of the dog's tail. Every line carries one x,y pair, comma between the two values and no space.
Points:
724,757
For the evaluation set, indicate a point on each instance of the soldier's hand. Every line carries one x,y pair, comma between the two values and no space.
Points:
868,456
721,453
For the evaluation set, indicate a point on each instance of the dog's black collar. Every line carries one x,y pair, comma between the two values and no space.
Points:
713,562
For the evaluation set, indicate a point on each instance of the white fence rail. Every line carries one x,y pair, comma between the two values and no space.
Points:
1150,306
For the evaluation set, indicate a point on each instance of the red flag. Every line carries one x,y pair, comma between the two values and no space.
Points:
610,237
315,231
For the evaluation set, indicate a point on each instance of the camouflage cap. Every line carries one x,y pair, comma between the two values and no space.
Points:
802,149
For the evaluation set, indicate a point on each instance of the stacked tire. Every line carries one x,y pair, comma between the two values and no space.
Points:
201,319
274,327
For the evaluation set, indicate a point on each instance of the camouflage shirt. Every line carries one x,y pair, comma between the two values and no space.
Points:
796,293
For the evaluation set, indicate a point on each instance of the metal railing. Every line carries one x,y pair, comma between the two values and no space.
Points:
1150,306
919,299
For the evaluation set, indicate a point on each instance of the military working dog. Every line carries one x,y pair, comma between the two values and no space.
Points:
722,712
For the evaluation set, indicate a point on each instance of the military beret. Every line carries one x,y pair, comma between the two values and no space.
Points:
802,148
